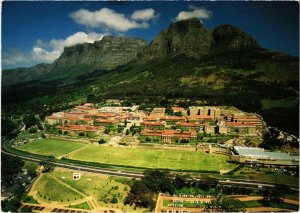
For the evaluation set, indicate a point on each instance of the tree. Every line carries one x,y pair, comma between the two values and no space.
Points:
9,167
179,181
29,120
114,200
106,131
178,114
140,195
228,205
48,166
274,194
91,98
102,141
32,130
158,181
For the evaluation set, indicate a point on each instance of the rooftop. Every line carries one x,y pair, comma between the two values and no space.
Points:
255,152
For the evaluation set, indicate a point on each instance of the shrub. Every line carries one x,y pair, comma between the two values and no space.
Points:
32,130
101,141
114,200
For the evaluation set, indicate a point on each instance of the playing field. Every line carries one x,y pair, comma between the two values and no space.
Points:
51,147
138,157
152,158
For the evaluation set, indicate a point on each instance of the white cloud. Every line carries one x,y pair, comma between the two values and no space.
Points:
112,20
14,56
144,15
196,12
46,52
56,46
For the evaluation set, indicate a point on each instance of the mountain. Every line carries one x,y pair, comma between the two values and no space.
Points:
21,75
106,54
184,64
188,37
230,38
103,55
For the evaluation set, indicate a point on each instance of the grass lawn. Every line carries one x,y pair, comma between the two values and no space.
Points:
269,177
102,188
83,205
30,199
149,157
48,187
51,147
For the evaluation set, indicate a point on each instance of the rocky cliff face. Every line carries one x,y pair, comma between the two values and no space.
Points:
187,37
80,59
106,54
230,38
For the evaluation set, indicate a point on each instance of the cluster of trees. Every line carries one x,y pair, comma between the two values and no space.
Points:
143,192
11,166
48,166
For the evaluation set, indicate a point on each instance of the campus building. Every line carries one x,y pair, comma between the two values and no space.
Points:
170,135
257,156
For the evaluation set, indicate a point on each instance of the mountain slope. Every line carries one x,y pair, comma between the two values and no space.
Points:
80,59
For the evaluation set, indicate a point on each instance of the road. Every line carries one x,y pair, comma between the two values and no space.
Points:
122,173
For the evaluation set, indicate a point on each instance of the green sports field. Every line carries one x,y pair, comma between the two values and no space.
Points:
152,158
137,157
51,147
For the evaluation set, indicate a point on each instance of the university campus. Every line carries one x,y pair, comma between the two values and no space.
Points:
205,145
149,106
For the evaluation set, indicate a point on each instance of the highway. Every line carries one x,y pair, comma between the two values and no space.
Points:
127,174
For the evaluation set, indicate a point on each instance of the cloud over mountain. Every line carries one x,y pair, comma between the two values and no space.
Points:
47,52
111,20
195,12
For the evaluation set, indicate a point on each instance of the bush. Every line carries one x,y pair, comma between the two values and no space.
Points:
101,141
114,200
184,141
32,130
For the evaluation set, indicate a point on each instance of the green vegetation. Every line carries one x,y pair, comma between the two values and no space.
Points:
105,190
9,167
30,199
83,205
281,205
59,192
281,103
152,158
51,147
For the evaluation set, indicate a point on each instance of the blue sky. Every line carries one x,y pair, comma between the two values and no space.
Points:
36,32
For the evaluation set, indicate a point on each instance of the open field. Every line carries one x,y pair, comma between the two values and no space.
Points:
51,147
49,188
91,190
137,157
152,158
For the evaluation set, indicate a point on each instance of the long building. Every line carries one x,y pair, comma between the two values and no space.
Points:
255,155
